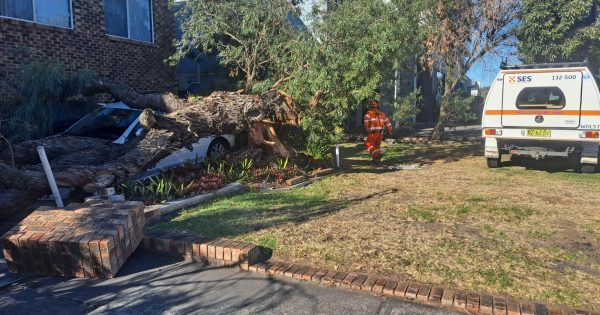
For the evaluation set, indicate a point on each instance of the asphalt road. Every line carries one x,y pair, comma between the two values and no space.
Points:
153,284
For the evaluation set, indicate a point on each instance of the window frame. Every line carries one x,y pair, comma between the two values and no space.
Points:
129,26
33,3
538,106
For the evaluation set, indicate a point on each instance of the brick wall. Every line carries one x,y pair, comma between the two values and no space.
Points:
86,46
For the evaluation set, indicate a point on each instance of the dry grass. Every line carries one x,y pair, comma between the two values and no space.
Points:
527,233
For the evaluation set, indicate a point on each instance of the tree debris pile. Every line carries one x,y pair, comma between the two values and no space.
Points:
171,123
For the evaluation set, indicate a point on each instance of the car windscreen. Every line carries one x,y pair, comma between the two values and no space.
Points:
107,123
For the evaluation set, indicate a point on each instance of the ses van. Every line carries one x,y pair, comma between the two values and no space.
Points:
544,110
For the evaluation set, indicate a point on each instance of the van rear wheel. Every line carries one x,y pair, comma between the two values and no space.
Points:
493,163
588,169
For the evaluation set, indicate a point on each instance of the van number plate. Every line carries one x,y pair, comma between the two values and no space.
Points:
539,133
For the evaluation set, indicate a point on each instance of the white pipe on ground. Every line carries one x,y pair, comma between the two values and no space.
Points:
50,176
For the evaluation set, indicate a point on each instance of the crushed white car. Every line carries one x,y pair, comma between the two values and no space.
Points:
120,123
543,110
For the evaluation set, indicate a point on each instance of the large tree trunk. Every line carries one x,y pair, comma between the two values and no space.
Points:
439,130
92,164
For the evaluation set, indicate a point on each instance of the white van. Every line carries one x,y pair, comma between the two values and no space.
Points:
539,111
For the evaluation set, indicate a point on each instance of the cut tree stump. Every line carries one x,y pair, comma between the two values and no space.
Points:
91,240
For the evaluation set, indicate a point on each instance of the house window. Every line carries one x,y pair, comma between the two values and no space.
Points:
50,12
129,18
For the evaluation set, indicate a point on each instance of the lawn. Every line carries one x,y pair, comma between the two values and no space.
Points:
530,234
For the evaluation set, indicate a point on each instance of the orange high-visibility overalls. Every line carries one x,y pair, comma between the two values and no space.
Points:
375,121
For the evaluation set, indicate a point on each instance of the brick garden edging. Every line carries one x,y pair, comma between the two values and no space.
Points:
472,302
222,252
211,251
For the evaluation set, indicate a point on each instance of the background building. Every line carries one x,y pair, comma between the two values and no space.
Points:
127,40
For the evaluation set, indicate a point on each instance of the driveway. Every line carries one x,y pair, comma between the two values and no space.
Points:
153,284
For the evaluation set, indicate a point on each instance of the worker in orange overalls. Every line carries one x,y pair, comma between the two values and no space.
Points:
375,121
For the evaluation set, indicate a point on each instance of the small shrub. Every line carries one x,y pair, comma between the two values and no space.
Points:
42,88
405,109
282,164
457,109
318,152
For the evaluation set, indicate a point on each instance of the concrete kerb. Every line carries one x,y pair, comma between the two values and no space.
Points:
154,213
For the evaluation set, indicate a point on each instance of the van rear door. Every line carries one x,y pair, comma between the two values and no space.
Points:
542,98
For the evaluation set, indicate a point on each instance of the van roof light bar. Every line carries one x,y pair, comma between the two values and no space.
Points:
545,65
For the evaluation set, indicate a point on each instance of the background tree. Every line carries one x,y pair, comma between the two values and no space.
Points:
353,49
250,36
459,34
560,30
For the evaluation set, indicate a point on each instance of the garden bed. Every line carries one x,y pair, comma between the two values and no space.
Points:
193,179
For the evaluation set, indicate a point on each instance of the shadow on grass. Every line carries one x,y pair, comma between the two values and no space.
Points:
550,165
357,160
245,214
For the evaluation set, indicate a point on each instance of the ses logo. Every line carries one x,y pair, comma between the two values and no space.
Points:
520,79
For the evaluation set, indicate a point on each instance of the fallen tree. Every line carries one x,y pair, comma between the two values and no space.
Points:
171,123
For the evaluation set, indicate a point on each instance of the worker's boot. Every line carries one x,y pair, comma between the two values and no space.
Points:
377,159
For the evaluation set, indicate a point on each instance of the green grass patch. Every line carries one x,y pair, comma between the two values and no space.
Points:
578,177
540,235
268,240
240,215
593,229
511,213
421,214
563,296
463,209
497,278
573,256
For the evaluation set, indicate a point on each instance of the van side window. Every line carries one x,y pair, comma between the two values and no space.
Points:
550,97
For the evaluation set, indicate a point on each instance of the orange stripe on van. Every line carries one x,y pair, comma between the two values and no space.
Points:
542,70
492,112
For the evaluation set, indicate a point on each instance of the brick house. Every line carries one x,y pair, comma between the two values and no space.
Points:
127,40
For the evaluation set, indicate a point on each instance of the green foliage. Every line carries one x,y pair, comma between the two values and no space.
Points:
457,108
342,59
460,33
319,152
405,110
157,189
559,30
250,36
42,88
353,49
282,164
232,171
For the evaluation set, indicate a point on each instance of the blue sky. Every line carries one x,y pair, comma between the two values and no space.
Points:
485,70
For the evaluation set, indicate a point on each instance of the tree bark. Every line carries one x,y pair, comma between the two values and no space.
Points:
439,131
93,164
164,102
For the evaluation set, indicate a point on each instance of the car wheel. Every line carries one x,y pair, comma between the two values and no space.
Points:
218,148
493,163
588,169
